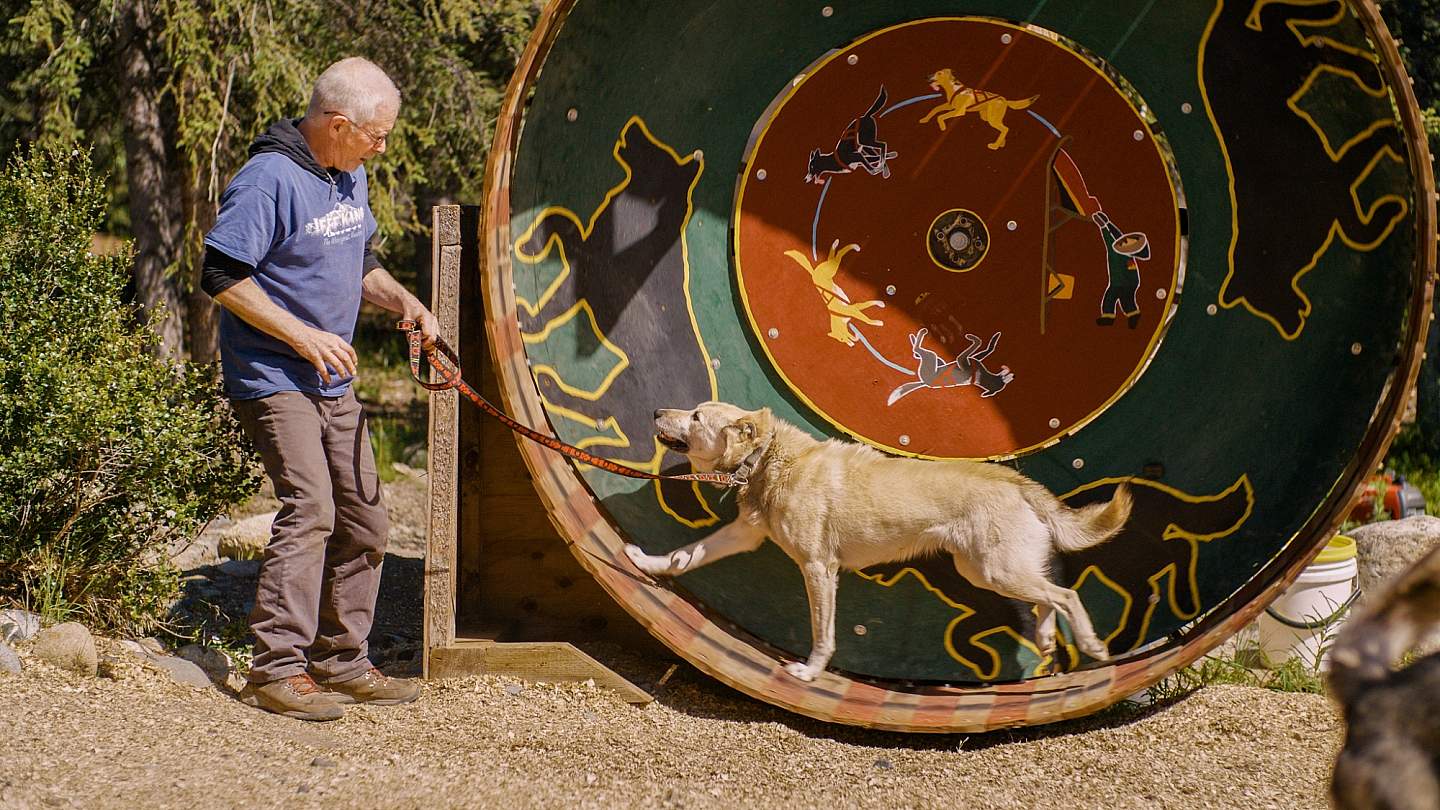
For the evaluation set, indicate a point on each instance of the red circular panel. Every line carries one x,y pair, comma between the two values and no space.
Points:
938,334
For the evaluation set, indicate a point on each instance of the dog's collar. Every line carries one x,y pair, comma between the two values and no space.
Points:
740,476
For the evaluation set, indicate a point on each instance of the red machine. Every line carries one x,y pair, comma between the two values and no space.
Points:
1401,499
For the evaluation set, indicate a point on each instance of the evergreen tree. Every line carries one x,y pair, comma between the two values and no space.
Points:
1416,24
170,93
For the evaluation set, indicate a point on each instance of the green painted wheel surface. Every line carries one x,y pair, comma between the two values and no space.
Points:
1185,245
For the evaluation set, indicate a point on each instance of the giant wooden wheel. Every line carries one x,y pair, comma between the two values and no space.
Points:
1190,247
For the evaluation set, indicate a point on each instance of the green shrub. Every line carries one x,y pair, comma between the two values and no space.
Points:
109,455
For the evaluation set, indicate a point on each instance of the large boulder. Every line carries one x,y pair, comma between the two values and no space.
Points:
68,646
246,539
1386,549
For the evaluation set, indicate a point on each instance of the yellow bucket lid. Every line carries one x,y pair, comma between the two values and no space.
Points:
1339,549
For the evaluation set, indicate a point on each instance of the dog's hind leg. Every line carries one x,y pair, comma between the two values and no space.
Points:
1067,603
1011,571
736,537
1045,640
821,580
1045,630
999,139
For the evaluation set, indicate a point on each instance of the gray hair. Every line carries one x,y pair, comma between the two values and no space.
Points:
355,87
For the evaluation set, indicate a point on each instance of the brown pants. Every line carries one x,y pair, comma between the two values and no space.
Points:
321,571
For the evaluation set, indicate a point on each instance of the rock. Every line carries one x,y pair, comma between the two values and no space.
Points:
153,644
246,540
136,648
195,552
68,646
18,625
215,663
1387,548
322,762
181,671
9,661
240,569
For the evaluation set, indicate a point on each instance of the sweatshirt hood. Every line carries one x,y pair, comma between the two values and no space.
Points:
284,137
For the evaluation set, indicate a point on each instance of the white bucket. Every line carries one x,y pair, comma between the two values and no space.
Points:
1303,622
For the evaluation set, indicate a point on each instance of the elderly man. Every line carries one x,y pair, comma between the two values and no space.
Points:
289,261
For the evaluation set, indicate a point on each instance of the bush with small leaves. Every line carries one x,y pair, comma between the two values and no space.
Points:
109,455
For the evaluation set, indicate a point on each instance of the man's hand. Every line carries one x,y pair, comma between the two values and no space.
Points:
325,351
424,319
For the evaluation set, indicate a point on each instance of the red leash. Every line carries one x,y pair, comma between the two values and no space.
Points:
449,371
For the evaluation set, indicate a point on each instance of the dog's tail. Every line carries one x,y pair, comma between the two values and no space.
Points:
1088,526
879,102
1022,103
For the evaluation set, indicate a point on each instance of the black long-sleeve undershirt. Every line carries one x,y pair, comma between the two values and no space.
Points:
219,271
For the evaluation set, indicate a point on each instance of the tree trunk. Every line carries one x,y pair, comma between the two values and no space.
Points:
154,210
202,315
202,326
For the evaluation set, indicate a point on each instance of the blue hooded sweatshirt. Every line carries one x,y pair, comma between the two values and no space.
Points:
304,229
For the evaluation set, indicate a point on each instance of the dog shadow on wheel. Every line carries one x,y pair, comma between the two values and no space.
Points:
1150,565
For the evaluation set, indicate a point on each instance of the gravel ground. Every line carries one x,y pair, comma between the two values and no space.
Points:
133,739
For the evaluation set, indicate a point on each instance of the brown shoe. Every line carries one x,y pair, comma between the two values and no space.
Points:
374,687
297,696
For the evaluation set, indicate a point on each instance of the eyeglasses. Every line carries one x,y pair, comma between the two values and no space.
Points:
376,141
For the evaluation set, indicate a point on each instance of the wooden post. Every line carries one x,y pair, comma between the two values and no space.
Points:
444,433
503,595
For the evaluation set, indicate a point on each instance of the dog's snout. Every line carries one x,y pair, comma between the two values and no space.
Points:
659,413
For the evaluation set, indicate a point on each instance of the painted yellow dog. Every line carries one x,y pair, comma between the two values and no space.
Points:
836,301
960,99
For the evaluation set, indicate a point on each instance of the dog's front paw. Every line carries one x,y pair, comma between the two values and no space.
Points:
802,670
648,563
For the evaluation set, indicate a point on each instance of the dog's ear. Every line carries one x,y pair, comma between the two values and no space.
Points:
762,420
742,437
736,446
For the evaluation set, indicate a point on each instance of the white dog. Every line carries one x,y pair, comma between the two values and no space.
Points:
833,504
